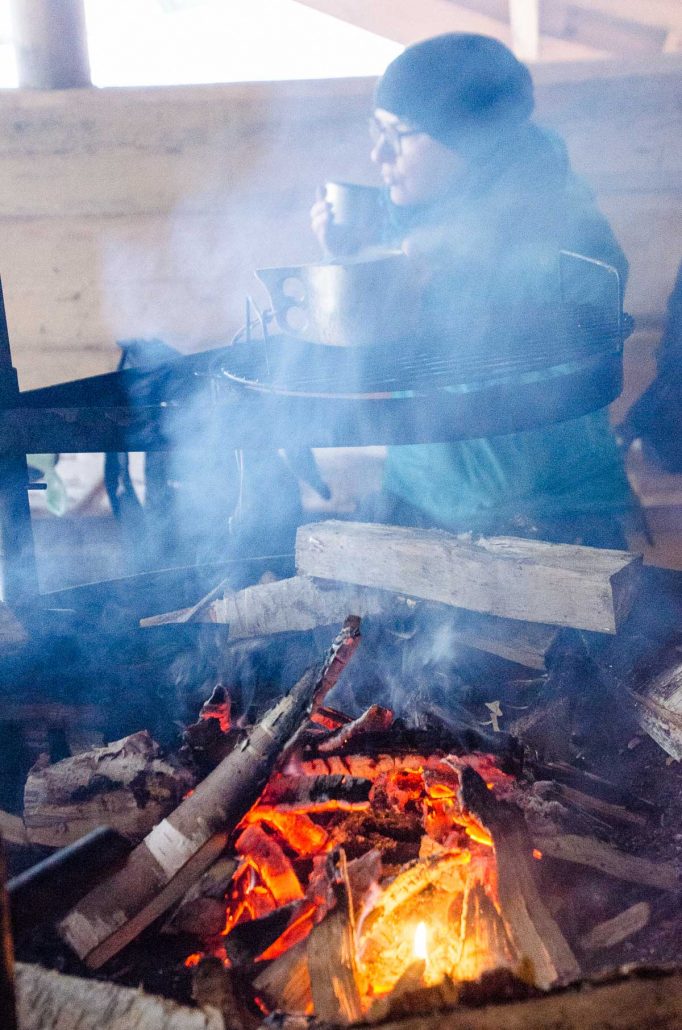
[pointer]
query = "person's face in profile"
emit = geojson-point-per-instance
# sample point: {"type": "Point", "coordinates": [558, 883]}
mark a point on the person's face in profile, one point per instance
{"type": "Point", "coordinates": [416, 168]}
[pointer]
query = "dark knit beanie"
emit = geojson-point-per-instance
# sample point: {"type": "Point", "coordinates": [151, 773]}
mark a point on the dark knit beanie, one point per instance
{"type": "Point", "coordinates": [456, 86]}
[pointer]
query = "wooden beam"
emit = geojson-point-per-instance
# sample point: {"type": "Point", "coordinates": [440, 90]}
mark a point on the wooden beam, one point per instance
{"type": "Point", "coordinates": [524, 18]}
{"type": "Point", "coordinates": [601, 25]}
{"type": "Point", "coordinates": [556, 584]}
{"type": "Point", "coordinates": [407, 22]}
{"type": "Point", "coordinates": [51, 43]}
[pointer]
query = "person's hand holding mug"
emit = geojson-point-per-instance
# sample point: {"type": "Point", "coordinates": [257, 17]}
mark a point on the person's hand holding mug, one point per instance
{"type": "Point", "coordinates": [346, 217]}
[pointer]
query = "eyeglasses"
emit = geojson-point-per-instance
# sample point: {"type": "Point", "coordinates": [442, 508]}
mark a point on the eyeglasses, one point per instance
{"type": "Point", "coordinates": [389, 134]}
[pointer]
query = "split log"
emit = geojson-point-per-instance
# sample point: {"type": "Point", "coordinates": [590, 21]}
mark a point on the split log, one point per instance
{"type": "Point", "coordinates": [183, 846]}
{"type": "Point", "coordinates": [301, 603]}
{"type": "Point", "coordinates": [331, 953]}
{"type": "Point", "coordinates": [530, 927]}
{"type": "Point", "coordinates": [559, 584]}
{"type": "Point", "coordinates": [47, 1000]}
{"type": "Point", "coordinates": [658, 709]}
{"type": "Point", "coordinates": [589, 851]}
{"type": "Point", "coordinates": [285, 983]}
{"type": "Point", "coordinates": [127, 785]}
{"type": "Point", "coordinates": [202, 910]}
{"type": "Point", "coordinates": [613, 931]}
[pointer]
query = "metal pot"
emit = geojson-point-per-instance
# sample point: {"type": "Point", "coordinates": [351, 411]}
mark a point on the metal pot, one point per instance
{"type": "Point", "coordinates": [356, 304]}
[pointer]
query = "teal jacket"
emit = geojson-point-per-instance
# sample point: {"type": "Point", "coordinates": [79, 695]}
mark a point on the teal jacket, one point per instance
{"type": "Point", "coordinates": [497, 243]}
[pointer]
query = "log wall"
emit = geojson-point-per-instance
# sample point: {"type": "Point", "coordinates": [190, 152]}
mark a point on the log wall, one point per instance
{"type": "Point", "coordinates": [144, 212]}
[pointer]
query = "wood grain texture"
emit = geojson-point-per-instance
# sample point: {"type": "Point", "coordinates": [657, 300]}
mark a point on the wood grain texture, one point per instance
{"type": "Point", "coordinates": [558, 584]}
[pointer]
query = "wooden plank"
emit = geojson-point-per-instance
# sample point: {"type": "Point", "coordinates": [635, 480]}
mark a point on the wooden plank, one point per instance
{"type": "Point", "coordinates": [556, 584]}
{"type": "Point", "coordinates": [589, 851]}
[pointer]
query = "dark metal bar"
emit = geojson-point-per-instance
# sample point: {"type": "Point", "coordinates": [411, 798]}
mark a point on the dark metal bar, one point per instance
{"type": "Point", "coordinates": [18, 572]}
{"type": "Point", "coordinates": [8, 1012]}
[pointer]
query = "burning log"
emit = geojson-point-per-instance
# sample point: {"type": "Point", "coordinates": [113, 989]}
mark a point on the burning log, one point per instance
{"type": "Point", "coordinates": [214, 987]}
{"type": "Point", "coordinates": [530, 927]}
{"type": "Point", "coordinates": [180, 848]}
{"type": "Point", "coordinates": [331, 953]}
{"type": "Point", "coordinates": [375, 720]}
{"type": "Point", "coordinates": [316, 790]}
{"type": "Point", "coordinates": [126, 785]}
{"type": "Point", "coordinates": [559, 584]}
{"type": "Point", "coordinates": [596, 854]}
{"type": "Point", "coordinates": [47, 1000]}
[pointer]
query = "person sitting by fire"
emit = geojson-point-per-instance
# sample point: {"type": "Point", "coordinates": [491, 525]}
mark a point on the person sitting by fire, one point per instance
{"type": "Point", "coordinates": [484, 199]}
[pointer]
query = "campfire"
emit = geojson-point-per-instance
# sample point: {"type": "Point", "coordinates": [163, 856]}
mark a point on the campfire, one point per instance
{"type": "Point", "coordinates": [313, 861]}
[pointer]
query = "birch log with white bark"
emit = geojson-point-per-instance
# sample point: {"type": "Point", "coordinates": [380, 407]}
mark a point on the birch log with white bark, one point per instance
{"type": "Point", "coordinates": [47, 1000]}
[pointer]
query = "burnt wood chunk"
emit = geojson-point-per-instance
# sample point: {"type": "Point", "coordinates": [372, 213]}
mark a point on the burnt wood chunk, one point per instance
{"type": "Point", "coordinates": [531, 929]}
{"type": "Point", "coordinates": [183, 846]}
{"type": "Point", "coordinates": [557, 584]}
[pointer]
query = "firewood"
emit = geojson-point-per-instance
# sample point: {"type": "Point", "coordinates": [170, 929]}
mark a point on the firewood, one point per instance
{"type": "Point", "coordinates": [183, 846]}
{"type": "Point", "coordinates": [589, 851]}
{"type": "Point", "coordinates": [658, 709]}
{"type": "Point", "coordinates": [12, 829]}
{"type": "Point", "coordinates": [301, 603]}
{"type": "Point", "coordinates": [47, 1000]}
{"type": "Point", "coordinates": [650, 999]}
{"type": "Point", "coordinates": [375, 719]}
{"type": "Point", "coordinates": [202, 910]}
{"type": "Point", "coordinates": [8, 1011]}
{"type": "Point", "coordinates": [311, 790]}
{"type": "Point", "coordinates": [285, 983]}
{"type": "Point", "coordinates": [529, 925]}
{"type": "Point", "coordinates": [214, 987]}
{"type": "Point", "coordinates": [613, 931]}
{"type": "Point", "coordinates": [331, 953]}
{"type": "Point", "coordinates": [556, 584]}
{"type": "Point", "coordinates": [127, 785]}
{"type": "Point", "coordinates": [604, 810]}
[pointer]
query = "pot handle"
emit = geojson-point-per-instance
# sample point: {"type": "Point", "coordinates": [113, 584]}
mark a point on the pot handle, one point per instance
{"type": "Point", "coordinates": [284, 303]}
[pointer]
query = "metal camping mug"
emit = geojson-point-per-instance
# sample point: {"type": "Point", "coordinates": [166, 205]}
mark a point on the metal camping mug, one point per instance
{"type": "Point", "coordinates": [355, 207]}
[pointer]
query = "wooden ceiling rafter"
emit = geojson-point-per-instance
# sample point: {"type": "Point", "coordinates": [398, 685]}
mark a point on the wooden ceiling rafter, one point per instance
{"type": "Point", "coordinates": [549, 30]}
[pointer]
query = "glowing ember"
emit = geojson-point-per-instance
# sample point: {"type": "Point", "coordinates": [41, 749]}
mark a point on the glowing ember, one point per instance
{"type": "Point", "coordinates": [420, 947]}
{"type": "Point", "coordinates": [422, 873]}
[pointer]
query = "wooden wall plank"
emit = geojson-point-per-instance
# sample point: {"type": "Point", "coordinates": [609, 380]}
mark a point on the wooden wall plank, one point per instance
{"type": "Point", "coordinates": [145, 212]}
